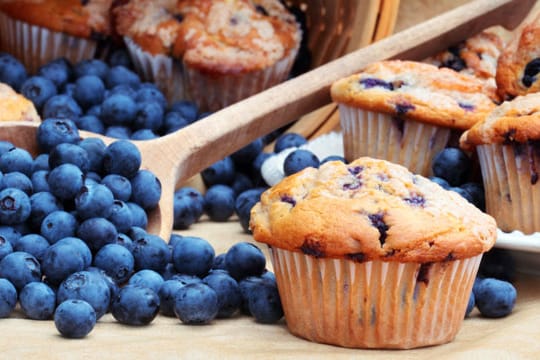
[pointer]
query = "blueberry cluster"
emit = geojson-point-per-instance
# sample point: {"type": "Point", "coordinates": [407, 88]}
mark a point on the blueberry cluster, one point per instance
{"type": "Point", "coordinates": [494, 298]}
{"type": "Point", "coordinates": [105, 97]}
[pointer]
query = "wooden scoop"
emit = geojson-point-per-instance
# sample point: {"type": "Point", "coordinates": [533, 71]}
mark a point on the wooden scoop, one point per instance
{"type": "Point", "coordinates": [178, 156]}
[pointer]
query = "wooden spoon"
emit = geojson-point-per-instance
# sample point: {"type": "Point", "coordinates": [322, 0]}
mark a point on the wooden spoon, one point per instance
{"type": "Point", "coordinates": [180, 155]}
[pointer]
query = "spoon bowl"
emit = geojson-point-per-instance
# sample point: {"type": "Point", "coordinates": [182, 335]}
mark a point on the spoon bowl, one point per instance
{"type": "Point", "coordinates": [178, 156]}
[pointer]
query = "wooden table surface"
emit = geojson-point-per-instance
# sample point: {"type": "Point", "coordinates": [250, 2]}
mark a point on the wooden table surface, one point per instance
{"type": "Point", "coordinates": [514, 337]}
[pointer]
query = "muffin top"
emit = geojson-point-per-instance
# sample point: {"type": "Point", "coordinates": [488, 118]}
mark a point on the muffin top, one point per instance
{"type": "Point", "coordinates": [14, 106]}
{"type": "Point", "coordinates": [517, 120]}
{"type": "Point", "coordinates": [87, 19]}
{"type": "Point", "coordinates": [519, 63]}
{"type": "Point", "coordinates": [417, 91]}
{"type": "Point", "coordinates": [215, 36]}
{"type": "Point", "coordinates": [370, 209]}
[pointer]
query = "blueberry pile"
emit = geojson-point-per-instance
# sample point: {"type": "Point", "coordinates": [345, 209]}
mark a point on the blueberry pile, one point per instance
{"type": "Point", "coordinates": [73, 244]}
{"type": "Point", "coordinates": [105, 97]}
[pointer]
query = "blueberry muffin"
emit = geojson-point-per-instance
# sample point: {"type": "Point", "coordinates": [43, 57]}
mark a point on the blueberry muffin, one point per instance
{"type": "Point", "coordinates": [519, 64]}
{"type": "Point", "coordinates": [477, 55]}
{"type": "Point", "coordinates": [14, 106]}
{"type": "Point", "coordinates": [369, 255]}
{"type": "Point", "coordinates": [38, 31]}
{"type": "Point", "coordinates": [215, 52]}
{"type": "Point", "coordinates": [406, 111]}
{"type": "Point", "coordinates": [508, 147]}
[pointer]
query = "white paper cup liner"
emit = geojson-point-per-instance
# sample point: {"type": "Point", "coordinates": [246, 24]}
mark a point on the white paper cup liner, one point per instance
{"type": "Point", "coordinates": [511, 176]}
{"type": "Point", "coordinates": [34, 45]}
{"type": "Point", "coordinates": [409, 143]}
{"type": "Point", "coordinates": [159, 69]}
{"type": "Point", "coordinates": [373, 304]}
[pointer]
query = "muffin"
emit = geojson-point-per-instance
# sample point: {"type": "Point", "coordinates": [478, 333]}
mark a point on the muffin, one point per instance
{"type": "Point", "coordinates": [37, 32]}
{"type": "Point", "coordinates": [369, 255]}
{"type": "Point", "coordinates": [14, 106]}
{"type": "Point", "coordinates": [406, 111]}
{"type": "Point", "coordinates": [508, 147]}
{"type": "Point", "coordinates": [477, 55]}
{"type": "Point", "coordinates": [214, 52]}
{"type": "Point", "coordinates": [519, 63]}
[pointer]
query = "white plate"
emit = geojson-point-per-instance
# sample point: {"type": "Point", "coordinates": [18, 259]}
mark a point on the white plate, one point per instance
{"type": "Point", "coordinates": [516, 240]}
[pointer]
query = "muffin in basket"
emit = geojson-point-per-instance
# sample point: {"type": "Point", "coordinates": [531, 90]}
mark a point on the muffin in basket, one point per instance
{"type": "Point", "coordinates": [508, 146]}
{"type": "Point", "coordinates": [369, 255]}
{"type": "Point", "coordinates": [37, 32]}
{"type": "Point", "coordinates": [519, 63]}
{"type": "Point", "coordinates": [14, 106]}
{"type": "Point", "coordinates": [406, 111]}
{"type": "Point", "coordinates": [215, 52]}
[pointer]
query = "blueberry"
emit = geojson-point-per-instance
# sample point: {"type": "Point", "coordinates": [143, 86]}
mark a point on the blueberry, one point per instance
{"type": "Point", "coordinates": [243, 204]}
{"type": "Point", "coordinates": [38, 89]}
{"type": "Point", "coordinates": [248, 153]}
{"type": "Point", "coordinates": [453, 165]}
{"type": "Point", "coordinates": [74, 318]}
{"type": "Point", "coordinates": [221, 172]}
{"type": "Point", "coordinates": [299, 160]}
{"type": "Point", "coordinates": [119, 185]}
{"type": "Point", "coordinates": [227, 290]}
{"type": "Point", "coordinates": [241, 183]}
{"type": "Point", "coordinates": [42, 204]}
{"type": "Point", "coordinates": [90, 123]}
{"type": "Point", "coordinates": [5, 146]}
{"type": "Point", "coordinates": [167, 293]}
{"type": "Point", "coordinates": [14, 206]}
{"type": "Point", "coordinates": [33, 244]}
{"type": "Point", "coordinates": [440, 181]}
{"type": "Point", "coordinates": [61, 106]}
{"type": "Point", "coordinates": [196, 304]}
{"type": "Point", "coordinates": [5, 247]}
{"type": "Point", "coordinates": [8, 298]}
{"type": "Point", "coordinates": [89, 91]}
{"type": "Point", "coordinates": [94, 67]}
{"type": "Point", "coordinates": [52, 132]}
{"type": "Point", "coordinates": [264, 302]}
{"type": "Point", "coordinates": [41, 162]}
{"type": "Point", "coordinates": [143, 134]}
{"type": "Point", "coordinates": [79, 247]}
{"type": "Point", "coordinates": [118, 109]}
{"type": "Point", "coordinates": [146, 189]}
{"type": "Point", "coordinates": [114, 289]}
{"type": "Point", "coordinates": [87, 286]}
{"type": "Point", "coordinates": [97, 232]}
{"type": "Point", "coordinates": [219, 202]}
{"type": "Point", "coordinates": [151, 252]}
{"type": "Point", "coordinates": [19, 181]}
{"type": "Point", "coordinates": [120, 216]}
{"type": "Point", "coordinates": [59, 71]}
{"type": "Point", "coordinates": [244, 259]}
{"type": "Point", "coordinates": [188, 207]}
{"type": "Point", "coordinates": [125, 241]}
{"type": "Point", "coordinates": [476, 192]}
{"type": "Point", "coordinates": [61, 260]}
{"type": "Point", "coordinates": [186, 279]}
{"type": "Point", "coordinates": [219, 262]}
{"type": "Point", "coordinates": [173, 121]}
{"type": "Point", "coordinates": [464, 193]}
{"type": "Point", "coordinates": [38, 301]}
{"type": "Point", "coordinates": [95, 148]}
{"type": "Point", "coordinates": [94, 111]}
{"type": "Point", "coordinates": [187, 109]}
{"type": "Point", "coordinates": [122, 157]}
{"type": "Point", "coordinates": [121, 75]}
{"type": "Point", "coordinates": [12, 71]}
{"type": "Point", "coordinates": [119, 56]}
{"type": "Point", "coordinates": [135, 305]}
{"type": "Point", "coordinates": [116, 261]}
{"type": "Point", "coordinates": [151, 94]}
{"type": "Point", "coordinates": [139, 218]}
{"type": "Point", "coordinates": [168, 272]}
{"type": "Point", "coordinates": [495, 298]}
{"type": "Point", "coordinates": [193, 256]}
{"type": "Point", "coordinates": [470, 304]}
{"type": "Point", "coordinates": [289, 140]}
{"type": "Point", "coordinates": [118, 132]}
{"type": "Point", "coordinates": [94, 201]}
{"type": "Point", "coordinates": [69, 154]}
{"type": "Point", "coordinates": [58, 225]}
{"type": "Point", "coordinates": [147, 278]}
{"type": "Point", "coordinates": [148, 115]}
{"type": "Point", "coordinates": [16, 159]}
{"type": "Point", "coordinates": [20, 268]}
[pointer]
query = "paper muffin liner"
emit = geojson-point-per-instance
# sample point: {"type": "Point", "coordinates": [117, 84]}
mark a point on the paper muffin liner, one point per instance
{"type": "Point", "coordinates": [412, 144]}
{"type": "Point", "coordinates": [210, 92]}
{"type": "Point", "coordinates": [373, 304]}
{"type": "Point", "coordinates": [35, 45]}
{"type": "Point", "coordinates": [512, 185]}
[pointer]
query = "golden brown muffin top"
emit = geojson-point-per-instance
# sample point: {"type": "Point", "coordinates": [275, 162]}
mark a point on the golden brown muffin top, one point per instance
{"type": "Point", "coordinates": [87, 19]}
{"type": "Point", "coordinates": [215, 36]}
{"type": "Point", "coordinates": [417, 91]}
{"type": "Point", "coordinates": [370, 209]}
{"type": "Point", "coordinates": [519, 63]}
{"type": "Point", "coordinates": [517, 120]}
{"type": "Point", "coordinates": [14, 106]}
